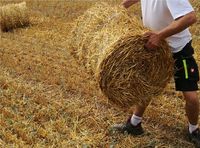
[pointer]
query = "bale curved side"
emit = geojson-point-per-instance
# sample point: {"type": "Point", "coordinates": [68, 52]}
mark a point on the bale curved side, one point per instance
{"type": "Point", "coordinates": [98, 28]}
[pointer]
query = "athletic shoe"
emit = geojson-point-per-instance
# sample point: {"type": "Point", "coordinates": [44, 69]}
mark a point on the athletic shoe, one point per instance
{"type": "Point", "coordinates": [194, 137]}
{"type": "Point", "coordinates": [129, 128]}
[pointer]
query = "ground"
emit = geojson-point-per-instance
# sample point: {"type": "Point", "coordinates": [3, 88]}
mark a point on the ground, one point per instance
{"type": "Point", "coordinates": [48, 100]}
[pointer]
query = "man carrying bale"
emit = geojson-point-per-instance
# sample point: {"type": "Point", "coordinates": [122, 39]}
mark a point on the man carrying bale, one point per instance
{"type": "Point", "coordinates": [169, 20]}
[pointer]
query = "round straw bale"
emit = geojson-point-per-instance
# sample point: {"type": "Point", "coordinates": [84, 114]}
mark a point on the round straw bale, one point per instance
{"type": "Point", "coordinates": [108, 42]}
{"type": "Point", "coordinates": [14, 16]}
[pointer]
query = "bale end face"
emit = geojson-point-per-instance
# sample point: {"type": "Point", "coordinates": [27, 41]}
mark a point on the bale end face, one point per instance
{"type": "Point", "coordinates": [132, 74]}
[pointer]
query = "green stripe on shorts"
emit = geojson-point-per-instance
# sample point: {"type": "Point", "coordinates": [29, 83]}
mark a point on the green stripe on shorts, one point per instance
{"type": "Point", "coordinates": [185, 69]}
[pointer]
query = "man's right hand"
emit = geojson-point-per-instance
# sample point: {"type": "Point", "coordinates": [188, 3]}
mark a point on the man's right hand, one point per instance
{"type": "Point", "coordinates": [128, 3]}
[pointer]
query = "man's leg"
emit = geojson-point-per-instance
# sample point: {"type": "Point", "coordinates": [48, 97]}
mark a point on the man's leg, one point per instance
{"type": "Point", "coordinates": [192, 111]}
{"type": "Point", "coordinates": [137, 115]}
{"type": "Point", "coordinates": [133, 125]}
{"type": "Point", "coordinates": [139, 110]}
{"type": "Point", "coordinates": [192, 106]}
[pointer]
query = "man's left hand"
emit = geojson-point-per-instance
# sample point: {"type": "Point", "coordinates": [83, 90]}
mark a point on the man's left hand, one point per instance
{"type": "Point", "coordinates": [154, 40]}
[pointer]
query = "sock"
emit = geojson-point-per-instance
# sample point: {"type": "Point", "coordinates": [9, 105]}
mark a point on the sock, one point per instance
{"type": "Point", "coordinates": [192, 128]}
{"type": "Point", "coordinates": [135, 120]}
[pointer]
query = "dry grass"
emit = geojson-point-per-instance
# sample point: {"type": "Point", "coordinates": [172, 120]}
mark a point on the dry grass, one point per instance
{"type": "Point", "coordinates": [47, 100]}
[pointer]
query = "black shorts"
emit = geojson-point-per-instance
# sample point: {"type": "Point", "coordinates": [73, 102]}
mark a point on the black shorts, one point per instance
{"type": "Point", "coordinates": [186, 70]}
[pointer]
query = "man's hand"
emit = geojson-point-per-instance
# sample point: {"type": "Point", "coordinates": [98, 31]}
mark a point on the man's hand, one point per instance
{"type": "Point", "coordinates": [154, 40]}
{"type": "Point", "coordinates": [128, 3]}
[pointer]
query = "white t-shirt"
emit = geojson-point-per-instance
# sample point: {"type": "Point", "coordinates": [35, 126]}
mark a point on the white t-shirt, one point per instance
{"type": "Point", "coordinates": [158, 14]}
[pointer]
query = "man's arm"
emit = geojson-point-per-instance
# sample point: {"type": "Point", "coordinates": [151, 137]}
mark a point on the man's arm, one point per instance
{"type": "Point", "coordinates": [175, 27]}
{"type": "Point", "coordinates": [128, 3]}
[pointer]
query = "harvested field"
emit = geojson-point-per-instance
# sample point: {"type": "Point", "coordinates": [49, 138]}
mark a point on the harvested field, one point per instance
{"type": "Point", "coordinates": [48, 100]}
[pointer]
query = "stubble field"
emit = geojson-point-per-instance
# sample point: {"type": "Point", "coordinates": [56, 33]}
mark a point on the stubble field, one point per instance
{"type": "Point", "coordinates": [48, 100]}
